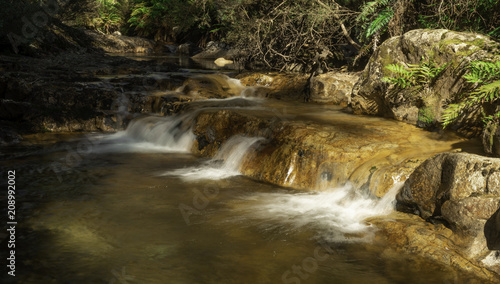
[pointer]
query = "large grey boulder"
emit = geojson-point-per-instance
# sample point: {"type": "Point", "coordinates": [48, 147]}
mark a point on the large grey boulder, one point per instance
{"type": "Point", "coordinates": [461, 191]}
{"type": "Point", "coordinates": [422, 106]}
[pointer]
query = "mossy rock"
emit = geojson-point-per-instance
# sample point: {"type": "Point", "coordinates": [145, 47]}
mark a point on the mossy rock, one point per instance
{"type": "Point", "coordinates": [373, 96]}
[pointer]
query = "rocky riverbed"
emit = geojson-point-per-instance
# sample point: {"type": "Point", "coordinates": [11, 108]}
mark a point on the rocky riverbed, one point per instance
{"type": "Point", "coordinates": [455, 196]}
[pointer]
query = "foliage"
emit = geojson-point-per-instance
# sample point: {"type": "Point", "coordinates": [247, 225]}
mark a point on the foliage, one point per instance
{"type": "Point", "coordinates": [374, 17]}
{"type": "Point", "coordinates": [289, 34]}
{"type": "Point", "coordinates": [109, 19]}
{"type": "Point", "coordinates": [379, 19]}
{"type": "Point", "coordinates": [105, 16]}
{"type": "Point", "coordinates": [423, 74]}
{"type": "Point", "coordinates": [484, 77]}
{"type": "Point", "coordinates": [167, 19]}
{"type": "Point", "coordinates": [463, 15]}
{"type": "Point", "coordinates": [382, 18]}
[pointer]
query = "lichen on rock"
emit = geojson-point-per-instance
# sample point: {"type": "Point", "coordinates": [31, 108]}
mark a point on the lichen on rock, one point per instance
{"type": "Point", "coordinates": [373, 96]}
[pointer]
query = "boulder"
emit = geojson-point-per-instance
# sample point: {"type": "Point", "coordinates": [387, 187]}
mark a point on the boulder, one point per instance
{"type": "Point", "coordinates": [333, 88]}
{"type": "Point", "coordinates": [461, 191]}
{"type": "Point", "coordinates": [422, 106]}
{"type": "Point", "coordinates": [215, 50]}
{"type": "Point", "coordinates": [117, 43]}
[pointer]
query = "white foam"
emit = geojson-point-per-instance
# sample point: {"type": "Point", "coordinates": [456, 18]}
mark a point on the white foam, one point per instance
{"type": "Point", "coordinates": [226, 163]}
{"type": "Point", "coordinates": [338, 214]}
{"type": "Point", "coordinates": [152, 134]}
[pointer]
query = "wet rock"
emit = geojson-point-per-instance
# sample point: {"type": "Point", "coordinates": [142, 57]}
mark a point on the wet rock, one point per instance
{"type": "Point", "coordinates": [211, 86]}
{"type": "Point", "coordinates": [422, 106]}
{"type": "Point", "coordinates": [311, 156]}
{"type": "Point", "coordinates": [333, 88]}
{"type": "Point", "coordinates": [187, 49]}
{"type": "Point", "coordinates": [274, 85]}
{"type": "Point", "coordinates": [69, 93]}
{"type": "Point", "coordinates": [408, 234]}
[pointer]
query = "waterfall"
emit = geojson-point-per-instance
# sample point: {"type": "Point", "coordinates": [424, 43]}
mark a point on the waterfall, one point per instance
{"type": "Point", "coordinates": [226, 163]}
{"type": "Point", "coordinates": [153, 134]}
{"type": "Point", "coordinates": [337, 214]}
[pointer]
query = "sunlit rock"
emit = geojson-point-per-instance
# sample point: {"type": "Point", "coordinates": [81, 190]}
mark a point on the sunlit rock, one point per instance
{"type": "Point", "coordinates": [462, 191]}
{"type": "Point", "coordinates": [276, 85]}
{"type": "Point", "coordinates": [333, 88]}
{"type": "Point", "coordinates": [422, 106]}
{"type": "Point", "coordinates": [221, 61]}
{"type": "Point", "coordinates": [314, 155]}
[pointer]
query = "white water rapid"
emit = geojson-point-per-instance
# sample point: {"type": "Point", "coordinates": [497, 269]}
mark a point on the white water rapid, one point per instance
{"type": "Point", "coordinates": [226, 163]}
{"type": "Point", "coordinates": [152, 134]}
{"type": "Point", "coordinates": [337, 214]}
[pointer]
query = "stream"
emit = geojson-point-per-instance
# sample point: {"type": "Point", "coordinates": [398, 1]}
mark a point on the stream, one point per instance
{"type": "Point", "coordinates": [137, 206]}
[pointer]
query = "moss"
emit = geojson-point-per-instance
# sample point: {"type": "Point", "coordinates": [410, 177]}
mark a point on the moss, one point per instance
{"type": "Point", "coordinates": [426, 117]}
{"type": "Point", "coordinates": [493, 130]}
{"type": "Point", "coordinates": [477, 44]}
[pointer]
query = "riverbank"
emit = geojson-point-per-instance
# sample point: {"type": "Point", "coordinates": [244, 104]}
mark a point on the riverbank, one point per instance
{"type": "Point", "coordinates": [74, 92]}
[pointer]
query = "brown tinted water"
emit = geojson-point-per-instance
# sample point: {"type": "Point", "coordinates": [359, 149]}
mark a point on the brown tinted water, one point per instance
{"type": "Point", "coordinates": [124, 208]}
{"type": "Point", "coordinates": [112, 216]}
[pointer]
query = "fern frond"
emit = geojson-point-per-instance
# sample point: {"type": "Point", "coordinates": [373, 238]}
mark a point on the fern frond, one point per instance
{"type": "Point", "coordinates": [380, 22]}
{"type": "Point", "coordinates": [451, 113]}
{"type": "Point", "coordinates": [398, 69]}
{"type": "Point", "coordinates": [482, 71]}
{"type": "Point", "coordinates": [487, 93]}
{"type": "Point", "coordinates": [367, 9]}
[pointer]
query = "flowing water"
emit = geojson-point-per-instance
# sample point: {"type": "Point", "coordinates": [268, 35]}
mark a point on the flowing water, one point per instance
{"type": "Point", "coordinates": [137, 207]}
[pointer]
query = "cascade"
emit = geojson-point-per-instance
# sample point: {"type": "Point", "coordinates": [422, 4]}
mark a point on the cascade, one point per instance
{"type": "Point", "coordinates": [226, 163]}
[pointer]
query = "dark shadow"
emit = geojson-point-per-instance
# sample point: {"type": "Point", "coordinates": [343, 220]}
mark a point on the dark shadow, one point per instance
{"type": "Point", "coordinates": [492, 231]}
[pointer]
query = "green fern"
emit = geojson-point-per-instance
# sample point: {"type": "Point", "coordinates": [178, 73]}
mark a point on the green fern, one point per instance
{"type": "Point", "coordinates": [423, 74]}
{"type": "Point", "coordinates": [404, 78]}
{"type": "Point", "coordinates": [481, 71]}
{"type": "Point", "coordinates": [451, 114]}
{"type": "Point", "coordinates": [485, 77]}
{"type": "Point", "coordinates": [369, 8]}
{"type": "Point", "coordinates": [488, 93]}
{"type": "Point", "coordinates": [374, 17]}
{"type": "Point", "coordinates": [380, 23]}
